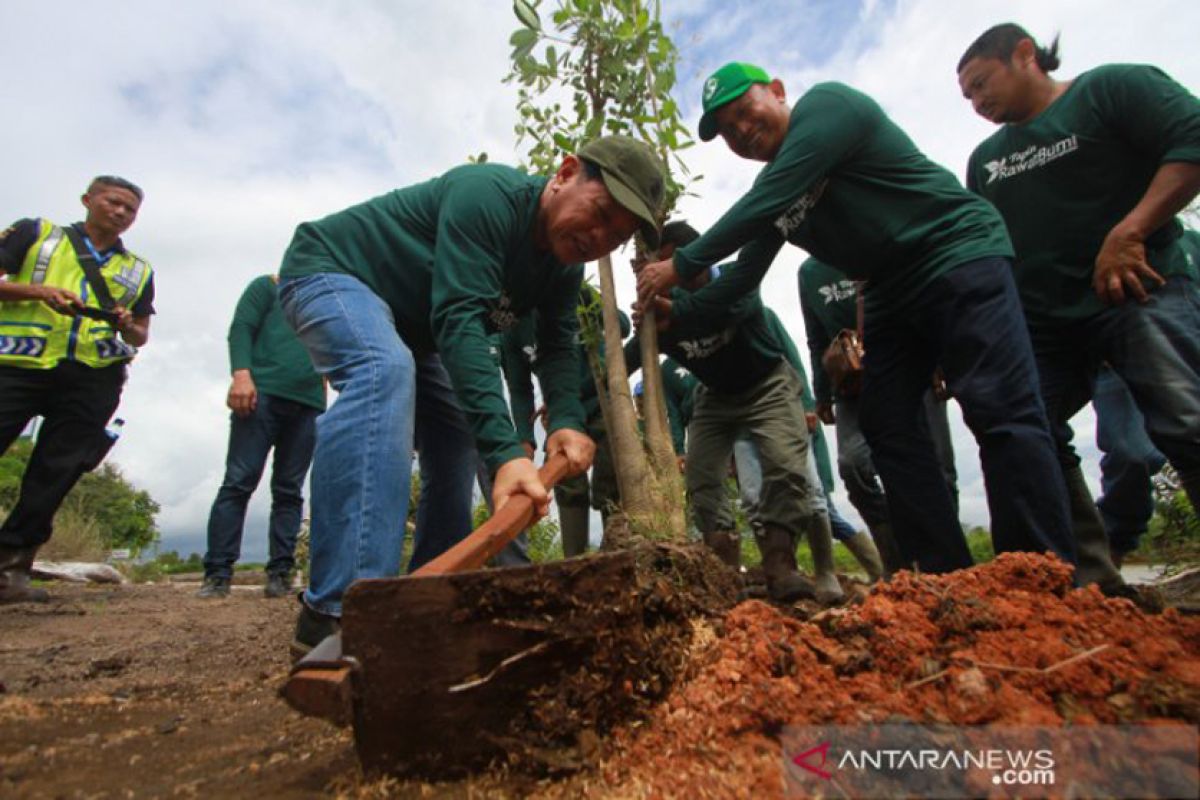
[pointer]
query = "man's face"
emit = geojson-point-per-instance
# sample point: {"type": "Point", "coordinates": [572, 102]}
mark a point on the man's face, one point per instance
{"type": "Point", "coordinates": [755, 124]}
{"type": "Point", "coordinates": [582, 220]}
{"type": "Point", "coordinates": [997, 90]}
{"type": "Point", "coordinates": [110, 208]}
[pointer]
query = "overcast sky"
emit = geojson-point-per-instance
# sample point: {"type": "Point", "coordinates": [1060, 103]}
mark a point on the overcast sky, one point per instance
{"type": "Point", "coordinates": [243, 119]}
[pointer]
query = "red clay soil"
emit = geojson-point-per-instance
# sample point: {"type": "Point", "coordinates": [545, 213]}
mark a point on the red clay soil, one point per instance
{"type": "Point", "coordinates": [1009, 642]}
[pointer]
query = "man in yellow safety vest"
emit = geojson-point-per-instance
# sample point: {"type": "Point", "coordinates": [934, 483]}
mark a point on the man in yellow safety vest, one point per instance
{"type": "Point", "coordinates": [74, 307]}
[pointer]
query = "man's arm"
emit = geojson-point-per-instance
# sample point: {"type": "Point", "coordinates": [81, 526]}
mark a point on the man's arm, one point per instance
{"type": "Point", "coordinates": [729, 299]}
{"type": "Point", "coordinates": [558, 369]}
{"type": "Point", "coordinates": [1121, 265]}
{"type": "Point", "coordinates": [518, 376]}
{"type": "Point", "coordinates": [248, 315]}
{"type": "Point", "coordinates": [1159, 117]}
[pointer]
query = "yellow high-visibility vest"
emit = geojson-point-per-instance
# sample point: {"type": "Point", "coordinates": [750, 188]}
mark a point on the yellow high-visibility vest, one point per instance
{"type": "Point", "coordinates": [34, 336]}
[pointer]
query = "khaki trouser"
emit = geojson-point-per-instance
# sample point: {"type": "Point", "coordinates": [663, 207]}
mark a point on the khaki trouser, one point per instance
{"type": "Point", "coordinates": [770, 413]}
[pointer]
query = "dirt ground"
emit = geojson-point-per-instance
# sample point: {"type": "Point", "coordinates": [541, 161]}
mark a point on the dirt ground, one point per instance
{"type": "Point", "coordinates": [147, 691]}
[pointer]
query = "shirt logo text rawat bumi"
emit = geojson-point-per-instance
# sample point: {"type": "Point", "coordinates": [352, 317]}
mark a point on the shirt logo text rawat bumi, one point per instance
{"type": "Point", "coordinates": [707, 345]}
{"type": "Point", "coordinates": [1031, 157]}
{"type": "Point", "coordinates": [797, 212]}
{"type": "Point", "coordinates": [836, 292]}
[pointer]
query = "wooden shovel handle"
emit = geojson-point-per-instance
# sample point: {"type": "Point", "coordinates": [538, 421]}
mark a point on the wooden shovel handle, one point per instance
{"type": "Point", "coordinates": [490, 538]}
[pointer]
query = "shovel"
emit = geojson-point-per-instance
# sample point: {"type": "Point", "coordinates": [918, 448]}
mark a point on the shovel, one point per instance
{"type": "Point", "coordinates": [435, 669]}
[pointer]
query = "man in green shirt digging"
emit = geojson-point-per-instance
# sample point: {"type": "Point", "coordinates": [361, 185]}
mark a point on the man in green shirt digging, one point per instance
{"type": "Point", "coordinates": [396, 300]}
{"type": "Point", "coordinates": [275, 398]}
{"type": "Point", "coordinates": [846, 184]}
{"type": "Point", "coordinates": [1089, 175]}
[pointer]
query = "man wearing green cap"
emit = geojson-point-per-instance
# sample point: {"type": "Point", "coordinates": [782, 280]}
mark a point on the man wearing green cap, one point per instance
{"type": "Point", "coordinates": [846, 184]}
{"type": "Point", "coordinates": [396, 300]}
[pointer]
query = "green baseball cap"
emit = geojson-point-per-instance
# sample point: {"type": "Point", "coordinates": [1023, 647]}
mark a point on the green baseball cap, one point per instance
{"type": "Point", "coordinates": [726, 85]}
{"type": "Point", "coordinates": [634, 177]}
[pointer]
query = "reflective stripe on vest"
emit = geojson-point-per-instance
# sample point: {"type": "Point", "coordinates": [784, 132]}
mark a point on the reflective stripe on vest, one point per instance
{"type": "Point", "coordinates": [130, 279]}
{"type": "Point", "coordinates": [44, 254]}
{"type": "Point", "coordinates": [32, 346]}
{"type": "Point", "coordinates": [113, 348]}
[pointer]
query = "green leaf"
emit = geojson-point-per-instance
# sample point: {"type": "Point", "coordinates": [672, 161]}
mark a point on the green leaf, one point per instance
{"type": "Point", "coordinates": [527, 15]}
{"type": "Point", "coordinates": [523, 41]}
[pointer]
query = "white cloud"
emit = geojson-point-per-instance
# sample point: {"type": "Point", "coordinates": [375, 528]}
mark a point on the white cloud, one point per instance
{"type": "Point", "coordinates": [243, 119]}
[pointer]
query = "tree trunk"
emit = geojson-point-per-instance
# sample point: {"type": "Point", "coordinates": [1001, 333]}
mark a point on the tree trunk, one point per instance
{"type": "Point", "coordinates": [668, 481]}
{"type": "Point", "coordinates": [629, 459]}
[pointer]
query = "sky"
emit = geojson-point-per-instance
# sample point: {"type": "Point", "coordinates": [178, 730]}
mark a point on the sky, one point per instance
{"type": "Point", "coordinates": [243, 119]}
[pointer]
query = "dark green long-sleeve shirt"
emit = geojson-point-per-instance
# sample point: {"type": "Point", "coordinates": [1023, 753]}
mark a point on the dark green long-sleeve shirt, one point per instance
{"type": "Point", "coordinates": [261, 341]}
{"type": "Point", "coordinates": [455, 260]}
{"type": "Point", "coordinates": [852, 189]}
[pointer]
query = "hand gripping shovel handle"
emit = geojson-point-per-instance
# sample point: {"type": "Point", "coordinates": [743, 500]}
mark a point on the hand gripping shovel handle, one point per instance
{"type": "Point", "coordinates": [491, 537]}
{"type": "Point", "coordinates": [320, 683]}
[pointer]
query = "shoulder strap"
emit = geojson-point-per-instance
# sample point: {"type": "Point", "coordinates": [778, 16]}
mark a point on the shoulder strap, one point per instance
{"type": "Point", "coordinates": [90, 268]}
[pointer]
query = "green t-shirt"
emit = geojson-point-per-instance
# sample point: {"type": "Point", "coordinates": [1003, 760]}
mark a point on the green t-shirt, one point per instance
{"type": "Point", "coordinates": [261, 341]}
{"type": "Point", "coordinates": [1065, 178]}
{"type": "Point", "coordinates": [852, 189]}
{"type": "Point", "coordinates": [454, 259]}
{"type": "Point", "coordinates": [829, 302]}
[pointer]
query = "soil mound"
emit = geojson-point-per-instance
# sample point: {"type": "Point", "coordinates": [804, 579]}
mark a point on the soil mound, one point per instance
{"type": "Point", "coordinates": [1010, 642]}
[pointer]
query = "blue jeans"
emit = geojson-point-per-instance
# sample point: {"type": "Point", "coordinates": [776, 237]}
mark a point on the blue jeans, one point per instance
{"type": "Point", "coordinates": [290, 428]}
{"type": "Point", "coordinates": [363, 459]}
{"type": "Point", "coordinates": [1154, 347]}
{"type": "Point", "coordinates": [1128, 463]}
{"type": "Point", "coordinates": [447, 458]}
{"type": "Point", "coordinates": [969, 321]}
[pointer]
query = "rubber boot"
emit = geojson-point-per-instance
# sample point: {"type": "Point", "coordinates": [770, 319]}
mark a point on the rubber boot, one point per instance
{"type": "Point", "coordinates": [574, 522]}
{"type": "Point", "coordinates": [785, 584]}
{"type": "Point", "coordinates": [862, 547]}
{"type": "Point", "coordinates": [889, 549]}
{"type": "Point", "coordinates": [1093, 558]}
{"type": "Point", "coordinates": [16, 564]}
{"type": "Point", "coordinates": [727, 545]}
{"type": "Point", "coordinates": [820, 542]}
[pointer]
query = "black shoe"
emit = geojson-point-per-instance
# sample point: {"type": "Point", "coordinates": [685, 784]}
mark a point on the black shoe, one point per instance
{"type": "Point", "coordinates": [16, 568]}
{"type": "Point", "coordinates": [279, 584]}
{"type": "Point", "coordinates": [214, 587]}
{"type": "Point", "coordinates": [311, 628]}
